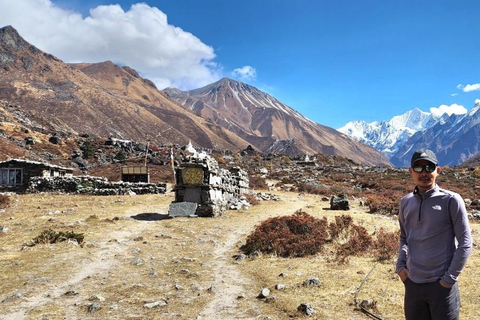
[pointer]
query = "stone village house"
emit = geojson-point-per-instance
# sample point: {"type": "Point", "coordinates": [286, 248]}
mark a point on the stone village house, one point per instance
{"type": "Point", "coordinates": [16, 173]}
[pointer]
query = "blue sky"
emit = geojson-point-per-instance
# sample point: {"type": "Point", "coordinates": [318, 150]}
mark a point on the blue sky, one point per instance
{"type": "Point", "coordinates": [333, 61]}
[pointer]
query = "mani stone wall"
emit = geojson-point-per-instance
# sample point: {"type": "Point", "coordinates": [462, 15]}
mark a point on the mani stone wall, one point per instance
{"type": "Point", "coordinates": [93, 185]}
{"type": "Point", "coordinates": [206, 190]}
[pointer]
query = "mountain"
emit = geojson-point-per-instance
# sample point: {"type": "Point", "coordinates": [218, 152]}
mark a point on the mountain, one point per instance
{"type": "Point", "coordinates": [268, 124]}
{"type": "Point", "coordinates": [388, 137]}
{"type": "Point", "coordinates": [42, 93]}
{"type": "Point", "coordinates": [455, 138]}
{"type": "Point", "coordinates": [97, 99]}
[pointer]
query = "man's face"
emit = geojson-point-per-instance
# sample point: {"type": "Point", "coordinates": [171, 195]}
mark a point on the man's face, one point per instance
{"type": "Point", "coordinates": [424, 180]}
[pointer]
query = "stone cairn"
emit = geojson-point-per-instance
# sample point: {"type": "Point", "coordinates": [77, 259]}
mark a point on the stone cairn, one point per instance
{"type": "Point", "coordinates": [93, 185]}
{"type": "Point", "coordinates": [206, 190]}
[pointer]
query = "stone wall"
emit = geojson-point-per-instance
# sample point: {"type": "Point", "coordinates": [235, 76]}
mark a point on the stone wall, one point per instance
{"type": "Point", "coordinates": [213, 191]}
{"type": "Point", "coordinates": [93, 185]}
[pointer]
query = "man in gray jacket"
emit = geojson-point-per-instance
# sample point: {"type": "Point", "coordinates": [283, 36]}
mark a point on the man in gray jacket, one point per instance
{"type": "Point", "coordinates": [435, 242]}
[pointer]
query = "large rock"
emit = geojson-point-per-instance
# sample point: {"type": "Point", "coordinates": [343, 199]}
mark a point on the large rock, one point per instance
{"type": "Point", "coordinates": [340, 202]}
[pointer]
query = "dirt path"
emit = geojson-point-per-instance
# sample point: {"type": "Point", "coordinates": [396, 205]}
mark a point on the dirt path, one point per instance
{"type": "Point", "coordinates": [230, 284]}
{"type": "Point", "coordinates": [99, 265]}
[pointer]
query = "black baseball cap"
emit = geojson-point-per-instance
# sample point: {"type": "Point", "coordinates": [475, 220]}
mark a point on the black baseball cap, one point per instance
{"type": "Point", "coordinates": [424, 154]}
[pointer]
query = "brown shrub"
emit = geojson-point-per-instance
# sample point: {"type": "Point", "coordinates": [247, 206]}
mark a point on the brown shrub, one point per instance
{"type": "Point", "coordinates": [257, 182]}
{"type": "Point", "coordinates": [341, 225]}
{"type": "Point", "coordinates": [252, 199]}
{"type": "Point", "coordinates": [289, 236]}
{"type": "Point", "coordinates": [358, 243]}
{"type": "Point", "coordinates": [313, 189]}
{"type": "Point", "coordinates": [387, 205]}
{"type": "Point", "coordinates": [386, 245]}
{"type": "Point", "coordinates": [4, 201]}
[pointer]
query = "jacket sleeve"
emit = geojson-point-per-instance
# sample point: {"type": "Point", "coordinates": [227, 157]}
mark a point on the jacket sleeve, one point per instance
{"type": "Point", "coordinates": [458, 214]}
{"type": "Point", "coordinates": [403, 250]}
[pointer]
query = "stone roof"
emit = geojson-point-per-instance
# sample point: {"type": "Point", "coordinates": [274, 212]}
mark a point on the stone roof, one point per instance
{"type": "Point", "coordinates": [49, 165]}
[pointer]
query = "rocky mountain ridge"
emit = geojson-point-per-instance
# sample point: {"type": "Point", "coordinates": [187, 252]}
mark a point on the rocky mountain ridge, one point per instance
{"type": "Point", "coordinates": [106, 100]}
{"type": "Point", "coordinates": [267, 123]}
{"type": "Point", "coordinates": [455, 137]}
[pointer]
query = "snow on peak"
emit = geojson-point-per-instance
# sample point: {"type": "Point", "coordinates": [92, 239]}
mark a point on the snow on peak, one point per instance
{"type": "Point", "coordinates": [388, 137]}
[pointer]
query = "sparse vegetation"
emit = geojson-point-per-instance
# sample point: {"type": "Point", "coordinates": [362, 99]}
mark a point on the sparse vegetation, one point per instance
{"type": "Point", "coordinates": [301, 234]}
{"type": "Point", "coordinates": [289, 236]}
{"type": "Point", "coordinates": [4, 201]}
{"type": "Point", "coordinates": [51, 236]}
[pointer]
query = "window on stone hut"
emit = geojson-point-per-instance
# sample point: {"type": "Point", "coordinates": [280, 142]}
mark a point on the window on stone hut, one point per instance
{"type": "Point", "coordinates": [11, 177]}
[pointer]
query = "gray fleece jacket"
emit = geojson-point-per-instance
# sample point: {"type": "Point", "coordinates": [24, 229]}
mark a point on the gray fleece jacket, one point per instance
{"type": "Point", "coordinates": [435, 239]}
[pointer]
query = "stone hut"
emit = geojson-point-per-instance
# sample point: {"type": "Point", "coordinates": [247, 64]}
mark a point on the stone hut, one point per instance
{"type": "Point", "coordinates": [203, 189]}
{"type": "Point", "coordinates": [16, 173]}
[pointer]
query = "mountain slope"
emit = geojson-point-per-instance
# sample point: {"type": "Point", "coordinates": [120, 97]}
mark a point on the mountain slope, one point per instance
{"type": "Point", "coordinates": [455, 138]}
{"type": "Point", "coordinates": [267, 123]}
{"type": "Point", "coordinates": [101, 99]}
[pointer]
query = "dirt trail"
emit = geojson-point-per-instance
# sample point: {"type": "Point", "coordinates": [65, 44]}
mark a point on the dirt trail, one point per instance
{"type": "Point", "coordinates": [230, 284]}
{"type": "Point", "coordinates": [97, 265]}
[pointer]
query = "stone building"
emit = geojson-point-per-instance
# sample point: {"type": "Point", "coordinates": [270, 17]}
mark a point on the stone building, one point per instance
{"type": "Point", "coordinates": [203, 189]}
{"type": "Point", "coordinates": [16, 173]}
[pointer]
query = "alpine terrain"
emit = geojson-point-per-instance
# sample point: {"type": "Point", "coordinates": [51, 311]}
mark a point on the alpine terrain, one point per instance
{"type": "Point", "coordinates": [455, 137]}
{"type": "Point", "coordinates": [267, 123]}
{"type": "Point", "coordinates": [47, 95]}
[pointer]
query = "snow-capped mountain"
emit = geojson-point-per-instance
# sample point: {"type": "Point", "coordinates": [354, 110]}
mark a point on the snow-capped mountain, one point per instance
{"type": "Point", "coordinates": [388, 137]}
{"type": "Point", "coordinates": [454, 136]}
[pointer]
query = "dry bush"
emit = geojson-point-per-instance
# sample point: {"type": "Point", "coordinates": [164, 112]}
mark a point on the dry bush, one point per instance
{"type": "Point", "coordinates": [252, 199]}
{"type": "Point", "coordinates": [341, 224]}
{"type": "Point", "coordinates": [313, 189]}
{"type": "Point", "coordinates": [297, 235]}
{"type": "Point", "coordinates": [359, 243]}
{"type": "Point", "coordinates": [257, 182]}
{"type": "Point", "coordinates": [301, 234]}
{"type": "Point", "coordinates": [386, 245]}
{"type": "Point", "coordinates": [387, 205]}
{"type": "Point", "coordinates": [4, 201]}
{"type": "Point", "coordinates": [51, 236]}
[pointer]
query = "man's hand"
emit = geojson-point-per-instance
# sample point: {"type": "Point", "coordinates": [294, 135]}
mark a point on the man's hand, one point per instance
{"type": "Point", "coordinates": [403, 275]}
{"type": "Point", "coordinates": [444, 284]}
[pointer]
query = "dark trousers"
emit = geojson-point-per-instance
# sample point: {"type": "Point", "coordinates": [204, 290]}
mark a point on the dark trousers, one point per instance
{"type": "Point", "coordinates": [431, 301]}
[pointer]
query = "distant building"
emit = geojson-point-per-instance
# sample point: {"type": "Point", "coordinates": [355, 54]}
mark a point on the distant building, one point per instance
{"type": "Point", "coordinates": [16, 173]}
{"type": "Point", "coordinates": [135, 174]}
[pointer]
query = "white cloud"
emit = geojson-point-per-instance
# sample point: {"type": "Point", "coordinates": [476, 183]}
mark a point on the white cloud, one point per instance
{"type": "Point", "coordinates": [452, 109]}
{"type": "Point", "coordinates": [245, 73]}
{"type": "Point", "coordinates": [477, 101]}
{"type": "Point", "coordinates": [140, 38]}
{"type": "Point", "coordinates": [469, 87]}
{"type": "Point", "coordinates": [454, 94]}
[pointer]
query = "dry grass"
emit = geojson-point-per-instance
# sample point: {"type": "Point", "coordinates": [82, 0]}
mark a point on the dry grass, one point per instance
{"type": "Point", "coordinates": [186, 262]}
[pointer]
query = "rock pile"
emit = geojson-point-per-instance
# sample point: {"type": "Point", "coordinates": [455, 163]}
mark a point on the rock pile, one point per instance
{"type": "Point", "coordinates": [93, 185]}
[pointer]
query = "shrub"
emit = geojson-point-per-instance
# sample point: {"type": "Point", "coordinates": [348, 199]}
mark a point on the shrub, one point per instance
{"type": "Point", "coordinates": [289, 236]}
{"type": "Point", "coordinates": [386, 245]}
{"type": "Point", "coordinates": [301, 234]}
{"type": "Point", "coordinates": [476, 173]}
{"type": "Point", "coordinates": [382, 204]}
{"type": "Point", "coordinates": [341, 225]}
{"type": "Point", "coordinates": [252, 199]}
{"type": "Point", "coordinates": [4, 201]}
{"type": "Point", "coordinates": [120, 156]}
{"type": "Point", "coordinates": [359, 242]}
{"type": "Point", "coordinates": [50, 236]}
{"type": "Point", "coordinates": [88, 150]}
{"type": "Point", "coordinates": [257, 182]}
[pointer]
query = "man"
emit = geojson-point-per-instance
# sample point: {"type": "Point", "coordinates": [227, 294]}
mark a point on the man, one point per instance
{"type": "Point", "coordinates": [435, 242]}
